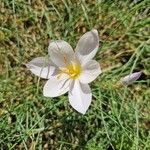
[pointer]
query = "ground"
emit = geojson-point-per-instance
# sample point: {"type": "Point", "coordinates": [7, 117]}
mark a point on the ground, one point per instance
{"type": "Point", "coordinates": [118, 118]}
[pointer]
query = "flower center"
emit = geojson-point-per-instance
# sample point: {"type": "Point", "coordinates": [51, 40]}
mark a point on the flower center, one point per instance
{"type": "Point", "coordinates": [73, 70]}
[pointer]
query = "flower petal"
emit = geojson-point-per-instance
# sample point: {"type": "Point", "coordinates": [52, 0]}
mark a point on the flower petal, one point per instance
{"type": "Point", "coordinates": [41, 66]}
{"type": "Point", "coordinates": [56, 86]}
{"type": "Point", "coordinates": [80, 96]}
{"type": "Point", "coordinates": [61, 53]}
{"type": "Point", "coordinates": [87, 46]}
{"type": "Point", "coordinates": [90, 71]}
{"type": "Point", "coordinates": [129, 79]}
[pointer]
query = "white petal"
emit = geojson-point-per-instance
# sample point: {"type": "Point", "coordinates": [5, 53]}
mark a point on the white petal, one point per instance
{"type": "Point", "coordinates": [41, 66]}
{"type": "Point", "coordinates": [129, 79]}
{"type": "Point", "coordinates": [80, 96]}
{"type": "Point", "coordinates": [56, 86]}
{"type": "Point", "coordinates": [87, 46]}
{"type": "Point", "coordinates": [61, 53]}
{"type": "Point", "coordinates": [90, 71]}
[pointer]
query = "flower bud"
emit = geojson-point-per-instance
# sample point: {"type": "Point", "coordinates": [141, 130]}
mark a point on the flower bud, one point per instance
{"type": "Point", "coordinates": [129, 79]}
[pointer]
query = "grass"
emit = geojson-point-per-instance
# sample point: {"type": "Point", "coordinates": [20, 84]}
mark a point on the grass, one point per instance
{"type": "Point", "coordinates": [118, 118]}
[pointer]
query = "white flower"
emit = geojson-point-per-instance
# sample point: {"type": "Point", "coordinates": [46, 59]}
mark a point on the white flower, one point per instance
{"type": "Point", "coordinates": [69, 71]}
{"type": "Point", "coordinates": [129, 79]}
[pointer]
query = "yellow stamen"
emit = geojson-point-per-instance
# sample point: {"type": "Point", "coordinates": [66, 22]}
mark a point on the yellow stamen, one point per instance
{"type": "Point", "coordinates": [73, 70]}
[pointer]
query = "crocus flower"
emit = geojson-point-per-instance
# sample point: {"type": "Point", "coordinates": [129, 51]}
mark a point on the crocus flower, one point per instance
{"type": "Point", "coordinates": [129, 79]}
{"type": "Point", "coordinates": [70, 71]}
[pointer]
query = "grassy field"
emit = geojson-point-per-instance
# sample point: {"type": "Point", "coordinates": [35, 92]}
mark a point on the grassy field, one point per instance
{"type": "Point", "coordinates": [118, 119]}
